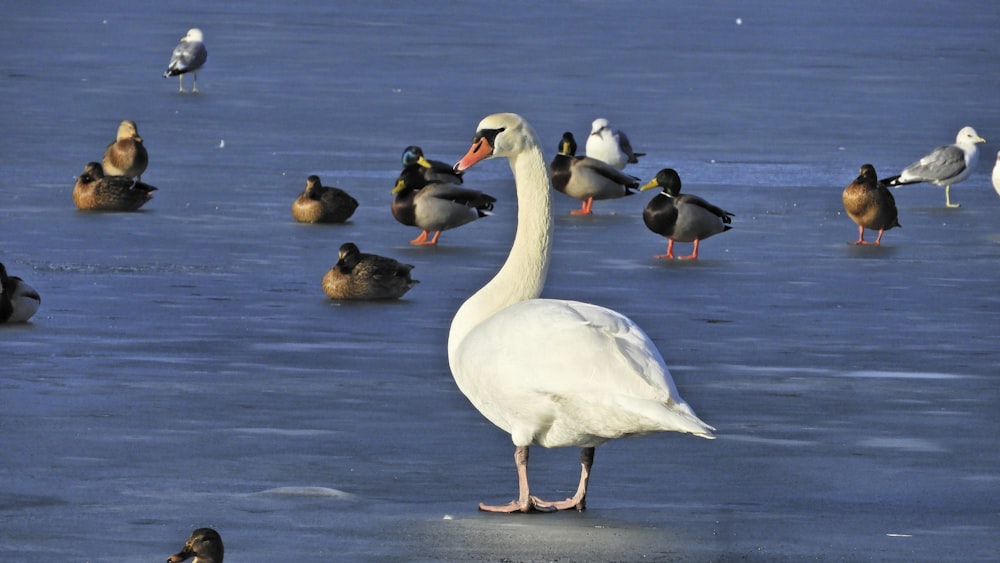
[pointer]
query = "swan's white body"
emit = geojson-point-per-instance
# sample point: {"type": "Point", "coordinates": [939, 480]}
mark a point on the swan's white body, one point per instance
{"type": "Point", "coordinates": [553, 372]}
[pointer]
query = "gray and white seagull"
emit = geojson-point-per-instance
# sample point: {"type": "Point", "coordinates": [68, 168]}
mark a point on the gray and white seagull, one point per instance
{"type": "Point", "coordinates": [944, 166]}
{"type": "Point", "coordinates": [189, 55]}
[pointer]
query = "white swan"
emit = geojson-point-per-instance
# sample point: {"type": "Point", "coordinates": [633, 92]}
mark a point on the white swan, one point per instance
{"type": "Point", "coordinates": [552, 372]}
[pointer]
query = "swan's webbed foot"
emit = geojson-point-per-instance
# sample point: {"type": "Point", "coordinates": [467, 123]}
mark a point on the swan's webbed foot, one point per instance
{"type": "Point", "coordinates": [533, 505]}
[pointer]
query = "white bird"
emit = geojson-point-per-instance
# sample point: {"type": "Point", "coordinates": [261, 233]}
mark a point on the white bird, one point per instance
{"type": "Point", "coordinates": [18, 300]}
{"type": "Point", "coordinates": [188, 56]}
{"type": "Point", "coordinates": [550, 372]}
{"type": "Point", "coordinates": [996, 174]}
{"type": "Point", "coordinates": [944, 166]}
{"type": "Point", "coordinates": [610, 145]}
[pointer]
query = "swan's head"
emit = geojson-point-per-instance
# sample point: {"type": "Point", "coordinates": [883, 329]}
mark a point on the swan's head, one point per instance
{"type": "Point", "coordinates": [500, 134]}
{"type": "Point", "coordinates": [668, 180]}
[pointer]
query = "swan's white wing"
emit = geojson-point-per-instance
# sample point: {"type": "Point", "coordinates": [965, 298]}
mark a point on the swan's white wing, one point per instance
{"type": "Point", "coordinates": [564, 373]}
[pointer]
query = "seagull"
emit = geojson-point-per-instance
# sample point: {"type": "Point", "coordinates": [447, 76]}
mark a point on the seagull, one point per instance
{"type": "Point", "coordinates": [943, 166]}
{"type": "Point", "coordinates": [996, 175]}
{"type": "Point", "coordinates": [189, 56]}
{"type": "Point", "coordinates": [610, 145]}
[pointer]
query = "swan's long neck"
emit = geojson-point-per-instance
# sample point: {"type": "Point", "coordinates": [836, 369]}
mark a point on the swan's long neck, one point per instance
{"type": "Point", "coordinates": [523, 275]}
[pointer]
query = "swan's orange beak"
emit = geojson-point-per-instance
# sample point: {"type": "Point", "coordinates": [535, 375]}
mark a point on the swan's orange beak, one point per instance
{"type": "Point", "coordinates": [480, 150]}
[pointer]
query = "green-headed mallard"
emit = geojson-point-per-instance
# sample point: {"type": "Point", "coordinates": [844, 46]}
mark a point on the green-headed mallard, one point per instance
{"type": "Point", "coordinates": [435, 206]}
{"type": "Point", "coordinates": [681, 217]}
{"type": "Point", "coordinates": [432, 170]}
{"type": "Point", "coordinates": [586, 178]}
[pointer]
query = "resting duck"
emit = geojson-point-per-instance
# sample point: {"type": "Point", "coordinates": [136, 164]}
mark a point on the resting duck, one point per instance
{"type": "Point", "coordinates": [96, 192]}
{"type": "Point", "coordinates": [587, 178]}
{"type": "Point", "coordinates": [433, 170]}
{"type": "Point", "coordinates": [18, 300]}
{"type": "Point", "coordinates": [435, 206]}
{"type": "Point", "coordinates": [681, 217]}
{"type": "Point", "coordinates": [610, 145]}
{"type": "Point", "coordinates": [943, 166]}
{"type": "Point", "coordinates": [188, 56]}
{"type": "Point", "coordinates": [205, 545]}
{"type": "Point", "coordinates": [357, 275]}
{"type": "Point", "coordinates": [322, 204]}
{"type": "Point", "coordinates": [870, 204]}
{"type": "Point", "coordinates": [126, 156]}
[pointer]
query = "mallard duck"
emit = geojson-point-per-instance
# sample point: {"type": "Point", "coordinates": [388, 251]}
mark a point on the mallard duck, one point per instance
{"type": "Point", "coordinates": [610, 145]}
{"type": "Point", "coordinates": [126, 156]}
{"type": "Point", "coordinates": [551, 372]}
{"type": "Point", "coordinates": [323, 204]}
{"type": "Point", "coordinates": [435, 206]}
{"type": "Point", "coordinates": [870, 204]}
{"type": "Point", "coordinates": [944, 166]}
{"type": "Point", "coordinates": [96, 192]}
{"type": "Point", "coordinates": [204, 544]}
{"type": "Point", "coordinates": [357, 275]}
{"type": "Point", "coordinates": [188, 56]}
{"type": "Point", "coordinates": [681, 217]}
{"type": "Point", "coordinates": [433, 170]}
{"type": "Point", "coordinates": [18, 300]}
{"type": "Point", "coordinates": [586, 178]}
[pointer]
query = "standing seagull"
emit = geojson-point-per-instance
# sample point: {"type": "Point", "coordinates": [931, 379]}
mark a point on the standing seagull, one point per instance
{"type": "Point", "coordinates": [126, 155]}
{"type": "Point", "coordinates": [944, 166]}
{"type": "Point", "coordinates": [610, 145]}
{"type": "Point", "coordinates": [870, 204]}
{"type": "Point", "coordinates": [189, 56]}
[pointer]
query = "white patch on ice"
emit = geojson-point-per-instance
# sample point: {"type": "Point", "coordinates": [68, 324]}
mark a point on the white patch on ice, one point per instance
{"type": "Point", "coordinates": [906, 444]}
{"type": "Point", "coordinates": [322, 492]}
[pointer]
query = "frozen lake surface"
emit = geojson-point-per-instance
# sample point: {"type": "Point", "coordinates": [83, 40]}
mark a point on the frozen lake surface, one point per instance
{"type": "Point", "coordinates": [186, 370]}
